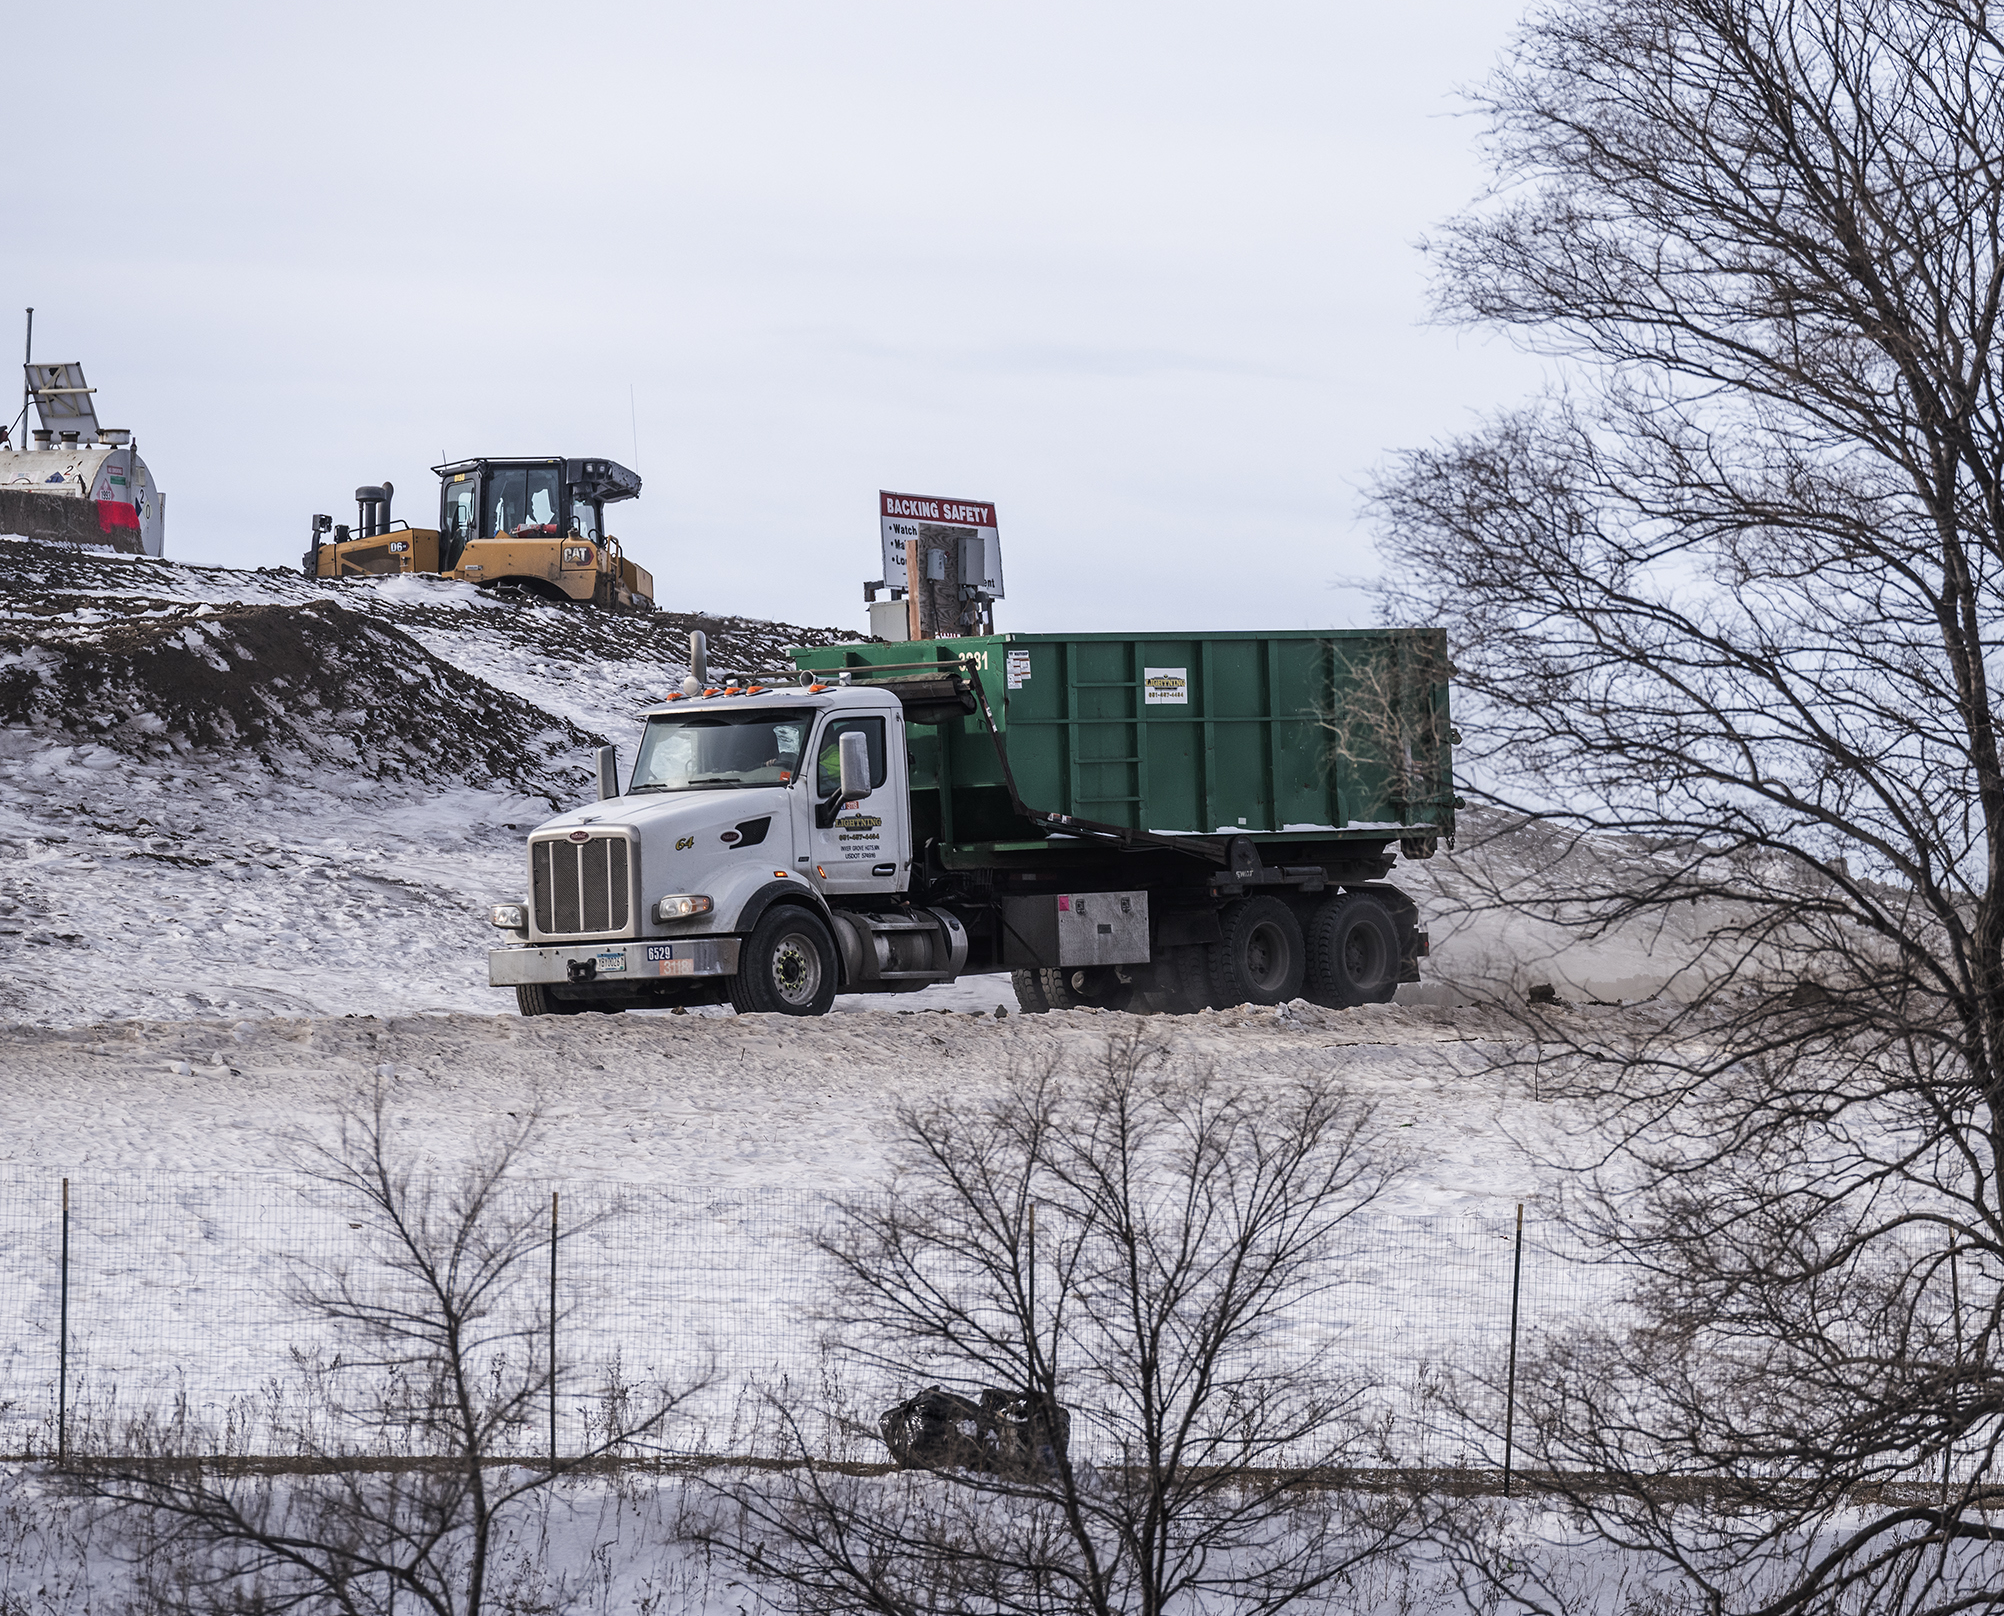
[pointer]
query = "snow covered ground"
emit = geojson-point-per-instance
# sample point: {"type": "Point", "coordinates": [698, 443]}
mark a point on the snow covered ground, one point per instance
{"type": "Point", "coordinates": [714, 1142]}
{"type": "Point", "coordinates": [249, 827]}
{"type": "Point", "coordinates": [614, 1547]}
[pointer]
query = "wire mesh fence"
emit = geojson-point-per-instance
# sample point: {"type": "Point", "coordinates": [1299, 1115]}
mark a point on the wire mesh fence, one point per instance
{"type": "Point", "coordinates": [182, 1291]}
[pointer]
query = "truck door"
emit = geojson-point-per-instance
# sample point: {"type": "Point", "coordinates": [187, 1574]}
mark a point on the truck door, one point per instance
{"type": "Point", "coordinates": [862, 846]}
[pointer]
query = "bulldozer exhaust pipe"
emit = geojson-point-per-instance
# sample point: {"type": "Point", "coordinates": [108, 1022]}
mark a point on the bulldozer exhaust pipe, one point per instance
{"type": "Point", "coordinates": [372, 509]}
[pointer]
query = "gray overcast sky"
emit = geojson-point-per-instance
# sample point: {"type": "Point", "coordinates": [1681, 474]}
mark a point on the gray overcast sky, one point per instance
{"type": "Point", "coordinates": [1143, 275]}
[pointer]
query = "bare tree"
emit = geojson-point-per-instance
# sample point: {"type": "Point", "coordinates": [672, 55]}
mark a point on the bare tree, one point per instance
{"type": "Point", "coordinates": [415, 1444]}
{"type": "Point", "coordinates": [1724, 613]}
{"type": "Point", "coordinates": [1107, 1266]}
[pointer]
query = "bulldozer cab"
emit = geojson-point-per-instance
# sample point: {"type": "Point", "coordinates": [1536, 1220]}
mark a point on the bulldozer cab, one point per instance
{"type": "Point", "coordinates": [549, 498]}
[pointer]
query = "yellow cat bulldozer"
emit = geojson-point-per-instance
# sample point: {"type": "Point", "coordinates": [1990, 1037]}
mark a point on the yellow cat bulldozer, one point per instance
{"type": "Point", "coordinates": [533, 525]}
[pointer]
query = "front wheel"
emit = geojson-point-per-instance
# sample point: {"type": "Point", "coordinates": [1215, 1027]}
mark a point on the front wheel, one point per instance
{"type": "Point", "coordinates": [534, 999]}
{"type": "Point", "coordinates": [787, 966]}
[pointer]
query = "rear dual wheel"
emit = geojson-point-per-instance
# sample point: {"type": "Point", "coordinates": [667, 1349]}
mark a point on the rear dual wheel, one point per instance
{"type": "Point", "coordinates": [1097, 987]}
{"type": "Point", "coordinates": [1350, 954]}
{"type": "Point", "coordinates": [1260, 959]}
{"type": "Point", "coordinates": [1029, 986]}
{"type": "Point", "coordinates": [1354, 954]}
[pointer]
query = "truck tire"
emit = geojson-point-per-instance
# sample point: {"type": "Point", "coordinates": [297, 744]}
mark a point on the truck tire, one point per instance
{"type": "Point", "coordinates": [1182, 982]}
{"type": "Point", "coordinates": [534, 999]}
{"type": "Point", "coordinates": [787, 966]}
{"type": "Point", "coordinates": [1353, 952]}
{"type": "Point", "coordinates": [1095, 987]}
{"type": "Point", "coordinates": [1029, 986]}
{"type": "Point", "coordinates": [1261, 959]}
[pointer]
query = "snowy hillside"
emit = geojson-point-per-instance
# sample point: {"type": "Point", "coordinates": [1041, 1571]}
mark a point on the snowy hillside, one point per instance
{"type": "Point", "coordinates": [229, 793]}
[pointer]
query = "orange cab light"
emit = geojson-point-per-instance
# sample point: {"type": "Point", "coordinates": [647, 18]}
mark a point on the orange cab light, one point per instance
{"type": "Point", "coordinates": [673, 695]}
{"type": "Point", "coordinates": [711, 691]}
{"type": "Point", "coordinates": [821, 870]}
{"type": "Point", "coordinates": [753, 690]}
{"type": "Point", "coordinates": [815, 690]}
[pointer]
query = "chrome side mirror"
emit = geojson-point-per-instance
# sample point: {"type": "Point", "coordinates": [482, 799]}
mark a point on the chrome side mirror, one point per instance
{"type": "Point", "coordinates": [854, 747]}
{"type": "Point", "coordinates": [608, 773]}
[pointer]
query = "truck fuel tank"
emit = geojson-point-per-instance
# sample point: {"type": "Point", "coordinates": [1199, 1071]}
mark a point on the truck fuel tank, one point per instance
{"type": "Point", "coordinates": [907, 948]}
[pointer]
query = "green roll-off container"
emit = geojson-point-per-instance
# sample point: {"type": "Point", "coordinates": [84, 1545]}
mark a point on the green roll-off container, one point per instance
{"type": "Point", "coordinates": [1308, 736]}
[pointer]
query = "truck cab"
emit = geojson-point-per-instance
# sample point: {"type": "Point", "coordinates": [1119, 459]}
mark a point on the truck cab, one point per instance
{"type": "Point", "coordinates": [760, 849]}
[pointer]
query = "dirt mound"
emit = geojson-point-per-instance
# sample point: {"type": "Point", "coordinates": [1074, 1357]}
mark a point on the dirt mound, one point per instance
{"type": "Point", "coordinates": [589, 637]}
{"type": "Point", "coordinates": [49, 580]}
{"type": "Point", "coordinates": [296, 687]}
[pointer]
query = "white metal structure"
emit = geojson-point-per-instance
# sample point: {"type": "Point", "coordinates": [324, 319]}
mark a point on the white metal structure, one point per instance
{"type": "Point", "coordinates": [79, 483]}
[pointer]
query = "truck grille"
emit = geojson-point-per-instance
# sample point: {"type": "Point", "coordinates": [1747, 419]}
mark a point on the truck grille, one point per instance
{"type": "Point", "coordinates": [580, 888]}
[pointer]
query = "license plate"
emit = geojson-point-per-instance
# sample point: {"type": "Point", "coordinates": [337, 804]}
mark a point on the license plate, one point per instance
{"type": "Point", "coordinates": [612, 962]}
{"type": "Point", "coordinates": [662, 961]}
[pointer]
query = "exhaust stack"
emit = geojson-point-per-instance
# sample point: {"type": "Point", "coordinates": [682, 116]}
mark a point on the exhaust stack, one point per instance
{"type": "Point", "coordinates": [372, 509]}
{"type": "Point", "coordinates": [699, 664]}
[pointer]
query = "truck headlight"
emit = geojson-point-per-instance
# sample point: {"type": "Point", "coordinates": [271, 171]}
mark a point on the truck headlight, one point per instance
{"type": "Point", "coordinates": [681, 906]}
{"type": "Point", "coordinates": [509, 916]}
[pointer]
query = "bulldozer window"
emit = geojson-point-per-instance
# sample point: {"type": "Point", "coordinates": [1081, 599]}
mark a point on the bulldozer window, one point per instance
{"type": "Point", "coordinates": [521, 502]}
{"type": "Point", "coordinates": [584, 518]}
{"type": "Point", "coordinates": [542, 504]}
{"type": "Point", "coordinates": [458, 523]}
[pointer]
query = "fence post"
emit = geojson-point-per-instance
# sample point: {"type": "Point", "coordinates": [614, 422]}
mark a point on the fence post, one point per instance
{"type": "Point", "coordinates": [1955, 1305]}
{"type": "Point", "coordinates": [1510, 1392]}
{"type": "Point", "coordinates": [1032, 1342]}
{"type": "Point", "coordinates": [63, 1343]}
{"type": "Point", "coordinates": [553, 1329]}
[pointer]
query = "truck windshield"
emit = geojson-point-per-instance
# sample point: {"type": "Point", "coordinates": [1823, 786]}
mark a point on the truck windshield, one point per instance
{"type": "Point", "coordinates": [720, 751]}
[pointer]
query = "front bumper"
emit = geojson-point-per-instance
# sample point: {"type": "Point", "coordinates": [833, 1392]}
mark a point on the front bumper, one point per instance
{"type": "Point", "coordinates": [613, 962]}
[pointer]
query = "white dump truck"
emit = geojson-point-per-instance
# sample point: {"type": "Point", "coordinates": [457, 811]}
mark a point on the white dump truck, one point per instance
{"type": "Point", "coordinates": [1123, 822]}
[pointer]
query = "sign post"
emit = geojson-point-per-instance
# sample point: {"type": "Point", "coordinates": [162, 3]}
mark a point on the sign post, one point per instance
{"type": "Point", "coordinates": [943, 558]}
